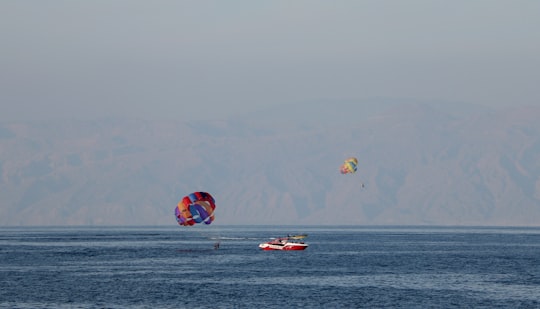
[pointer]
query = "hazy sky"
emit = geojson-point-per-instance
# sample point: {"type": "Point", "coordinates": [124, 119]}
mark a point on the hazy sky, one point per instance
{"type": "Point", "coordinates": [204, 59]}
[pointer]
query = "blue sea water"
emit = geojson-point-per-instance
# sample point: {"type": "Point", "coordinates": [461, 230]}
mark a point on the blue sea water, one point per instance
{"type": "Point", "coordinates": [344, 267]}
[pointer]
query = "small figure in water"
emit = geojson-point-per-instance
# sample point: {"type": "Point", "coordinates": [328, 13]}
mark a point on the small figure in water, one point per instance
{"type": "Point", "coordinates": [216, 245]}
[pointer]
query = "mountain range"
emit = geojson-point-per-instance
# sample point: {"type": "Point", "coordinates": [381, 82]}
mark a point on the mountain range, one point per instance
{"type": "Point", "coordinates": [420, 163]}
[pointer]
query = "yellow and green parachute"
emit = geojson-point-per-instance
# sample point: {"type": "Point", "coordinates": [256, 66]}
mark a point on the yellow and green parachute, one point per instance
{"type": "Point", "coordinates": [349, 166]}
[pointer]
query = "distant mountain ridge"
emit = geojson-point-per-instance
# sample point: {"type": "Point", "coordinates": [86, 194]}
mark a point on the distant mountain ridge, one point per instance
{"type": "Point", "coordinates": [421, 163]}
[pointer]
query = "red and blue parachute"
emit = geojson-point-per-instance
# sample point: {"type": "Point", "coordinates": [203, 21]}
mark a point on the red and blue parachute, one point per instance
{"type": "Point", "coordinates": [197, 207]}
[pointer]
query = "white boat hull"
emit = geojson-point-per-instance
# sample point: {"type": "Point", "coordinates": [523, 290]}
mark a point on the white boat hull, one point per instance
{"type": "Point", "coordinates": [286, 246]}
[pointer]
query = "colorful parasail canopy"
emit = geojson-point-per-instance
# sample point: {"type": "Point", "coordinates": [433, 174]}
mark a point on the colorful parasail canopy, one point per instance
{"type": "Point", "coordinates": [195, 208]}
{"type": "Point", "coordinates": [349, 166]}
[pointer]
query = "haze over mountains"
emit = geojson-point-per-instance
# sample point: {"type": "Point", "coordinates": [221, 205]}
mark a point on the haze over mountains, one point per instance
{"type": "Point", "coordinates": [421, 163]}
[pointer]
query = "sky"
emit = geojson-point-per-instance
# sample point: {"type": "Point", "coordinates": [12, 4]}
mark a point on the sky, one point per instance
{"type": "Point", "coordinates": [199, 59]}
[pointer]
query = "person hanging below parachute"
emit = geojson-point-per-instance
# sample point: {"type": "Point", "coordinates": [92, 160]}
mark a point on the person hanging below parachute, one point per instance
{"type": "Point", "coordinates": [197, 207]}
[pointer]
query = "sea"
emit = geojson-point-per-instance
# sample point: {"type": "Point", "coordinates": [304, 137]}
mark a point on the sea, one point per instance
{"type": "Point", "coordinates": [343, 267]}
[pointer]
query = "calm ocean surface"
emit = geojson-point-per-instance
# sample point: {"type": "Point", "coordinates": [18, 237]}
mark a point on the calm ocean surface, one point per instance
{"type": "Point", "coordinates": [344, 267]}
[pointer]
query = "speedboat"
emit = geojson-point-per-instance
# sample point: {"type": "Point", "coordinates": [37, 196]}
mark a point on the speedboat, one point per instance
{"type": "Point", "coordinates": [283, 244]}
